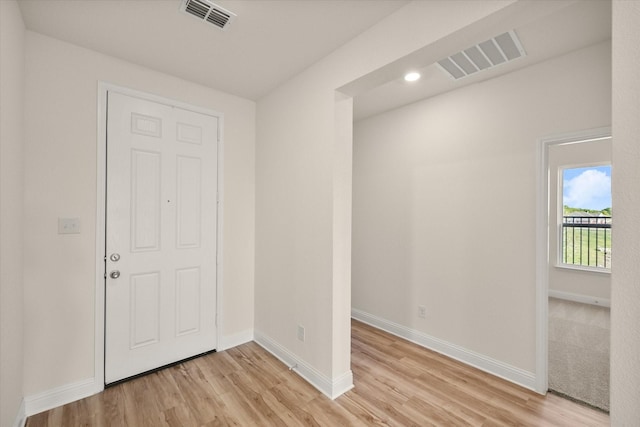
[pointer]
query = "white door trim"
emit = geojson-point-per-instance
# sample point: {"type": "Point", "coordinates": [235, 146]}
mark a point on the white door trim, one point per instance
{"type": "Point", "coordinates": [101, 158]}
{"type": "Point", "coordinates": [542, 243]}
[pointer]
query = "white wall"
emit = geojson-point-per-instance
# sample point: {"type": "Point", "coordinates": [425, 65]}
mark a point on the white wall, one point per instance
{"type": "Point", "coordinates": [298, 172]}
{"type": "Point", "coordinates": [625, 287]}
{"type": "Point", "coordinates": [60, 166]}
{"type": "Point", "coordinates": [444, 210]}
{"type": "Point", "coordinates": [12, 43]}
{"type": "Point", "coordinates": [365, 53]}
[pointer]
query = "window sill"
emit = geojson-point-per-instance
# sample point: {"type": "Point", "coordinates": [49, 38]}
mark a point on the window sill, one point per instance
{"type": "Point", "coordinates": [584, 268]}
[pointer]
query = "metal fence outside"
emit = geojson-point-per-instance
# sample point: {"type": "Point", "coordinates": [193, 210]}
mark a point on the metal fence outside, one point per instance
{"type": "Point", "coordinates": [586, 241]}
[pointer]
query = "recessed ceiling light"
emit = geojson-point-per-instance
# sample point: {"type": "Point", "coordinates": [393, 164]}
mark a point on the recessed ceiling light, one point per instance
{"type": "Point", "coordinates": [412, 77]}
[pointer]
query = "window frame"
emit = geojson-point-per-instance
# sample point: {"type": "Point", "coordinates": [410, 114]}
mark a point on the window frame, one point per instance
{"type": "Point", "coordinates": [560, 216]}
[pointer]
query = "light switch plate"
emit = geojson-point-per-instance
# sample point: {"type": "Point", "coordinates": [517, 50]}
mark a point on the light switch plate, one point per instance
{"type": "Point", "coordinates": [68, 225]}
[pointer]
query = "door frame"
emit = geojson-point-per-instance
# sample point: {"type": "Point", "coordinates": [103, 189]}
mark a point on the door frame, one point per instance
{"type": "Point", "coordinates": [101, 175]}
{"type": "Point", "coordinates": [542, 243]}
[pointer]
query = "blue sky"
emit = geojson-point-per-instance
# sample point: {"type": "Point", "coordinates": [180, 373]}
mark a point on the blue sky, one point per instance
{"type": "Point", "coordinates": [588, 188]}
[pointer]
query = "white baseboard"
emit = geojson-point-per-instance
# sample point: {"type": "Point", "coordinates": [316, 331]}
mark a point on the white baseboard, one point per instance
{"type": "Point", "coordinates": [71, 392]}
{"type": "Point", "coordinates": [21, 416]}
{"type": "Point", "coordinates": [60, 396]}
{"type": "Point", "coordinates": [584, 299]}
{"type": "Point", "coordinates": [495, 367]}
{"type": "Point", "coordinates": [332, 388]}
{"type": "Point", "coordinates": [230, 341]}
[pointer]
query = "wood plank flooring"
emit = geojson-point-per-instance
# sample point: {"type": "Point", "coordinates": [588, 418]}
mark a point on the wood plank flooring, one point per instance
{"type": "Point", "coordinates": [396, 383]}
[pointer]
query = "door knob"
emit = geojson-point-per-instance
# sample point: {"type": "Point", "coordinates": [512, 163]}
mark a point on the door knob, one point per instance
{"type": "Point", "coordinates": [115, 257]}
{"type": "Point", "coordinates": [114, 274]}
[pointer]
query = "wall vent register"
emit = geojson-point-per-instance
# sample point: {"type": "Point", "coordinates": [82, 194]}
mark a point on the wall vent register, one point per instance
{"type": "Point", "coordinates": [208, 12]}
{"type": "Point", "coordinates": [490, 53]}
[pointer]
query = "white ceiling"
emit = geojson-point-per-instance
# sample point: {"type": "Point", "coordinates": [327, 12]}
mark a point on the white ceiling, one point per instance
{"type": "Point", "coordinates": [272, 40]}
{"type": "Point", "coordinates": [268, 43]}
{"type": "Point", "coordinates": [545, 29]}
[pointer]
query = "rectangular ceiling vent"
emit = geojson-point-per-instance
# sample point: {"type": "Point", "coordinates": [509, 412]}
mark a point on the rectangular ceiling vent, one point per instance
{"type": "Point", "coordinates": [208, 12]}
{"type": "Point", "coordinates": [483, 56]}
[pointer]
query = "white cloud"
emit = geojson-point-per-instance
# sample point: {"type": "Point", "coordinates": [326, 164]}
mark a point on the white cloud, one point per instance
{"type": "Point", "coordinates": [590, 190]}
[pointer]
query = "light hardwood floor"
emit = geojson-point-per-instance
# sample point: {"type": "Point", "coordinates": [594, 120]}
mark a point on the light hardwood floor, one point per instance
{"type": "Point", "coordinates": [396, 383]}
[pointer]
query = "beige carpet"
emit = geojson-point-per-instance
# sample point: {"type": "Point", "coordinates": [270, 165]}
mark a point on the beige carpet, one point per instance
{"type": "Point", "coordinates": [579, 351]}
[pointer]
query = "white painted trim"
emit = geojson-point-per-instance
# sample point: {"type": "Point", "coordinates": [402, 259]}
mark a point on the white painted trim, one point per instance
{"type": "Point", "coordinates": [542, 269]}
{"type": "Point", "coordinates": [101, 158]}
{"type": "Point", "coordinates": [487, 364]}
{"type": "Point", "coordinates": [59, 396]}
{"type": "Point", "coordinates": [542, 243]}
{"type": "Point", "coordinates": [341, 384]}
{"type": "Point", "coordinates": [101, 173]}
{"type": "Point", "coordinates": [219, 232]}
{"type": "Point", "coordinates": [577, 137]}
{"type": "Point", "coordinates": [584, 299]}
{"type": "Point", "coordinates": [229, 341]}
{"type": "Point", "coordinates": [597, 270]}
{"type": "Point", "coordinates": [332, 388]}
{"type": "Point", "coordinates": [21, 416]}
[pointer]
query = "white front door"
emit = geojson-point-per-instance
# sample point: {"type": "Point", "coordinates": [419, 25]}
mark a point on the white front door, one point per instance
{"type": "Point", "coordinates": [161, 216]}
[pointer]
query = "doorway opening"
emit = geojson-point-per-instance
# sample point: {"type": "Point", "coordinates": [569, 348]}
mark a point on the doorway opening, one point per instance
{"type": "Point", "coordinates": [578, 264]}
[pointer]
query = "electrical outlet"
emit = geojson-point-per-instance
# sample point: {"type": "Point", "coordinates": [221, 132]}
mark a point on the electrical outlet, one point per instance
{"type": "Point", "coordinates": [422, 311]}
{"type": "Point", "coordinates": [300, 333]}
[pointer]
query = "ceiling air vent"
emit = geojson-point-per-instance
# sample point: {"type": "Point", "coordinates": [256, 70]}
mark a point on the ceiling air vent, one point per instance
{"type": "Point", "coordinates": [488, 54]}
{"type": "Point", "coordinates": [208, 12]}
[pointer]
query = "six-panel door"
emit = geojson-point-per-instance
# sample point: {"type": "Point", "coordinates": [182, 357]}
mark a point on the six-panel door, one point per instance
{"type": "Point", "coordinates": [161, 235]}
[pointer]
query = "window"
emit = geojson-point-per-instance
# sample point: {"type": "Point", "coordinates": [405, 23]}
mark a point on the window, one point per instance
{"type": "Point", "coordinates": [586, 217]}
